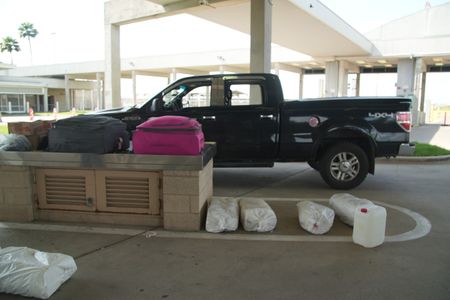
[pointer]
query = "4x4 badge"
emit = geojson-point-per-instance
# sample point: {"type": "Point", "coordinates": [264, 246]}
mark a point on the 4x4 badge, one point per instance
{"type": "Point", "coordinates": [382, 115]}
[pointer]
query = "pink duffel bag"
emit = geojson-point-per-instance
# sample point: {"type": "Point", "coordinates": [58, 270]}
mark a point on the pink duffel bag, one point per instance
{"type": "Point", "coordinates": [169, 135]}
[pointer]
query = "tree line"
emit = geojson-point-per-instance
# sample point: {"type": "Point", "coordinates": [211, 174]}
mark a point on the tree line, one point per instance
{"type": "Point", "coordinates": [10, 44]}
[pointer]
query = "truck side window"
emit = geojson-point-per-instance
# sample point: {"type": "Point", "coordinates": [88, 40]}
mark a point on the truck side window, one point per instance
{"type": "Point", "coordinates": [171, 98]}
{"type": "Point", "coordinates": [198, 97]}
{"type": "Point", "coordinates": [186, 95]}
{"type": "Point", "coordinates": [245, 94]}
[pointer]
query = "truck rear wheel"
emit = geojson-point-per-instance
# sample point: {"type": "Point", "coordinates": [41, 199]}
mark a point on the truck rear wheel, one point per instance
{"type": "Point", "coordinates": [314, 164]}
{"type": "Point", "coordinates": [344, 166]}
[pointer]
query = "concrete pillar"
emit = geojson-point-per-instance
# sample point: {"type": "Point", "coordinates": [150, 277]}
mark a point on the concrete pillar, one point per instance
{"type": "Point", "coordinates": [92, 100]}
{"type": "Point", "coordinates": [112, 66]}
{"type": "Point", "coordinates": [409, 82]}
{"type": "Point", "coordinates": [422, 117]}
{"type": "Point", "coordinates": [173, 76]}
{"type": "Point", "coordinates": [358, 84]}
{"type": "Point", "coordinates": [419, 75]}
{"type": "Point", "coordinates": [38, 104]}
{"type": "Point", "coordinates": [336, 78]}
{"type": "Point", "coordinates": [300, 85]}
{"type": "Point", "coordinates": [99, 91]}
{"type": "Point", "coordinates": [73, 96]}
{"type": "Point", "coordinates": [133, 79]}
{"type": "Point", "coordinates": [25, 103]}
{"type": "Point", "coordinates": [67, 92]}
{"type": "Point", "coordinates": [276, 69]}
{"type": "Point", "coordinates": [83, 99]}
{"type": "Point", "coordinates": [405, 77]}
{"type": "Point", "coordinates": [343, 79]}
{"type": "Point", "coordinates": [45, 90]}
{"type": "Point", "coordinates": [331, 79]}
{"type": "Point", "coordinates": [260, 36]}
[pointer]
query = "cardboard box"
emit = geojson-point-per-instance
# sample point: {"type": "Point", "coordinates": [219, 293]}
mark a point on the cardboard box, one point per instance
{"type": "Point", "coordinates": [38, 127]}
{"type": "Point", "coordinates": [36, 131]}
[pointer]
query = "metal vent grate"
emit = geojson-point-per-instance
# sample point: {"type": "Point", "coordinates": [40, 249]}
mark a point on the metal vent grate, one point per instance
{"type": "Point", "coordinates": [127, 192]}
{"type": "Point", "coordinates": [65, 190]}
{"type": "Point", "coordinates": [103, 191]}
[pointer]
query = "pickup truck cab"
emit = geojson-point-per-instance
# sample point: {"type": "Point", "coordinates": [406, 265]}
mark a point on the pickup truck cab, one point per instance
{"type": "Point", "coordinates": [253, 126]}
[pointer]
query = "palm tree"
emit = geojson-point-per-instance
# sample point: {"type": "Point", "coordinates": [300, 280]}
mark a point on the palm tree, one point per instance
{"type": "Point", "coordinates": [9, 44]}
{"type": "Point", "coordinates": [27, 30]}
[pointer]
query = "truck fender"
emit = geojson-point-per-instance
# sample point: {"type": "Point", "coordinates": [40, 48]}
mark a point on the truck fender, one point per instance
{"type": "Point", "coordinates": [349, 133]}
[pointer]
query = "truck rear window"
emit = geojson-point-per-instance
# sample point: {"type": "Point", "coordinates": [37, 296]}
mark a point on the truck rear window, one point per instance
{"type": "Point", "coordinates": [245, 94]}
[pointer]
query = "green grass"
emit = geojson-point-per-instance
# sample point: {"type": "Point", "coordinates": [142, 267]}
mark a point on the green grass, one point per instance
{"type": "Point", "coordinates": [3, 129]}
{"type": "Point", "coordinates": [429, 150]}
{"type": "Point", "coordinates": [64, 113]}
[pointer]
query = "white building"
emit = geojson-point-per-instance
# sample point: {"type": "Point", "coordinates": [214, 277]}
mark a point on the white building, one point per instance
{"type": "Point", "coordinates": [406, 48]}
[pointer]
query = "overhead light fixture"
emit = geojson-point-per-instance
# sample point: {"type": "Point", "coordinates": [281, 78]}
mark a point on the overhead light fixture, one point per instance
{"type": "Point", "coordinates": [205, 3]}
{"type": "Point", "coordinates": [437, 59]}
{"type": "Point", "coordinates": [368, 66]}
{"type": "Point", "coordinates": [296, 64]}
{"type": "Point", "coordinates": [313, 63]}
{"type": "Point", "coordinates": [382, 61]}
{"type": "Point", "coordinates": [439, 64]}
{"type": "Point", "coordinates": [388, 65]}
{"type": "Point", "coordinates": [307, 68]}
{"type": "Point", "coordinates": [360, 62]}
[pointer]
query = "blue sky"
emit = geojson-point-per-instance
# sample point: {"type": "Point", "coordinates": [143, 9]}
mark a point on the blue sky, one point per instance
{"type": "Point", "coordinates": [72, 30]}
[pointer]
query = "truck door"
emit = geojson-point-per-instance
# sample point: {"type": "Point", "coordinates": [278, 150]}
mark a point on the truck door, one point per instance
{"type": "Point", "coordinates": [233, 113]}
{"type": "Point", "coordinates": [250, 124]}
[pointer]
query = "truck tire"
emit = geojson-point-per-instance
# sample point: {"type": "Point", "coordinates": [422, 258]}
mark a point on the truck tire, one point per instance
{"type": "Point", "coordinates": [314, 164]}
{"type": "Point", "coordinates": [344, 166]}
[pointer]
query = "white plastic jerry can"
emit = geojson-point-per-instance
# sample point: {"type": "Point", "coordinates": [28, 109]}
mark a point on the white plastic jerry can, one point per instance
{"type": "Point", "coordinates": [369, 226]}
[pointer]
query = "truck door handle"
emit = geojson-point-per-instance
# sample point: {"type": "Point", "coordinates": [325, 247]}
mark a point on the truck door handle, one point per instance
{"type": "Point", "coordinates": [266, 117]}
{"type": "Point", "coordinates": [209, 118]}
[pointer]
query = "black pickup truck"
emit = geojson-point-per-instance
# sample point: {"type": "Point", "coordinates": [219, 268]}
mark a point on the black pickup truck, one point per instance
{"type": "Point", "coordinates": [253, 126]}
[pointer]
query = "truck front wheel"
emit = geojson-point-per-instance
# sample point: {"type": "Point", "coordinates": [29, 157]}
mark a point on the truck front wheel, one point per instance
{"type": "Point", "coordinates": [344, 166]}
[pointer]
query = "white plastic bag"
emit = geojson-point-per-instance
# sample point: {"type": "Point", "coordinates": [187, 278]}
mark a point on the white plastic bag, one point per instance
{"type": "Point", "coordinates": [33, 273]}
{"type": "Point", "coordinates": [14, 142]}
{"type": "Point", "coordinates": [223, 215]}
{"type": "Point", "coordinates": [257, 215]}
{"type": "Point", "coordinates": [345, 205]}
{"type": "Point", "coordinates": [315, 218]}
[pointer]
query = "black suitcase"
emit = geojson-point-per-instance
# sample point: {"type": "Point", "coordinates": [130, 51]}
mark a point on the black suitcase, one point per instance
{"type": "Point", "coordinates": [88, 134]}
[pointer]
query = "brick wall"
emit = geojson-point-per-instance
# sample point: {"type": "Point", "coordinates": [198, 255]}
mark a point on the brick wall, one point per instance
{"type": "Point", "coordinates": [16, 194]}
{"type": "Point", "coordinates": [185, 194]}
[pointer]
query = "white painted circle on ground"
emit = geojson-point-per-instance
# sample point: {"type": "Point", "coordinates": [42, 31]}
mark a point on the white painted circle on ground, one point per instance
{"type": "Point", "coordinates": [422, 228]}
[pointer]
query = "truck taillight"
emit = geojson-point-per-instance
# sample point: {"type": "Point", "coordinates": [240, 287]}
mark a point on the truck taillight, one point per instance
{"type": "Point", "coordinates": [404, 120]}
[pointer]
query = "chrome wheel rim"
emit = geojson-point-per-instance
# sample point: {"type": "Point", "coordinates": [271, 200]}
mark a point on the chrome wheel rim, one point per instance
{"type": "Point", "coordinates": [344, 166]}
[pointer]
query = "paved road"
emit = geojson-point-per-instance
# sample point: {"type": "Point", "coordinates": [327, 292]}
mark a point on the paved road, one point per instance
{"type": "Point", "coordinates": [119, 266]}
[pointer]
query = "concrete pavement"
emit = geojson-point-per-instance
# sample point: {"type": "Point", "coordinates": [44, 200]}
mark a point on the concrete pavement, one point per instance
{"type": "Point", "coordinates": [138, 265]}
